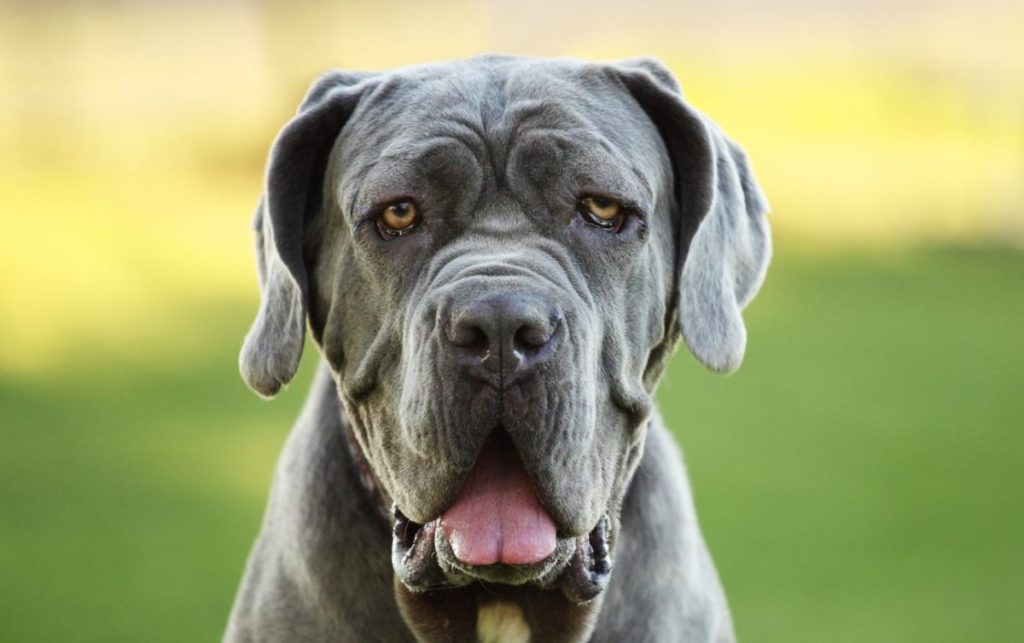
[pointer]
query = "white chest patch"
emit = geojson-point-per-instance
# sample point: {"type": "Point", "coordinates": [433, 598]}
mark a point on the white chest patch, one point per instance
{"type": "Point", "coordinates": [502, 623]}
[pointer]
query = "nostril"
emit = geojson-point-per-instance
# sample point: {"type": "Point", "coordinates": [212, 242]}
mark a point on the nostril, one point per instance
{"type": "Point", "coordinates": [470, 337]}
{"type": "Point", "coordinates": [531, 337]}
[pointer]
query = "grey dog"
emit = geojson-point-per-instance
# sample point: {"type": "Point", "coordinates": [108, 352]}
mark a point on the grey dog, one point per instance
{"type": "Point", "coordinates": [496, 258]}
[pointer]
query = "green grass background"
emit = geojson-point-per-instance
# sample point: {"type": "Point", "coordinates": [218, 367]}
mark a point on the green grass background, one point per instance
{"type": "Point", "coordinates": [859, 479]}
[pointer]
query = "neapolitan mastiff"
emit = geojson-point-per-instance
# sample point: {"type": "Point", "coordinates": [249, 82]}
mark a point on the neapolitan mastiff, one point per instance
{"type": "Point", "coordinates": [496, 257]}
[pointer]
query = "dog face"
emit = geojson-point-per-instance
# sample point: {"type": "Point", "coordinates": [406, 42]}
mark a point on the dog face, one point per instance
{"type": "Point", "coordinates": [495, 258]}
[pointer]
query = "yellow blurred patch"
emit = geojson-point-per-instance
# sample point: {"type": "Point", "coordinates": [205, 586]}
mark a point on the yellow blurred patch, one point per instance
{"type": "Point", "coordinates": [134, 135]}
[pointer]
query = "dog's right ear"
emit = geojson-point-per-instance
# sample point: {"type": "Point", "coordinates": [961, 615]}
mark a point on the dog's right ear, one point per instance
{"type": "Point", "coordinates": [293, 195]}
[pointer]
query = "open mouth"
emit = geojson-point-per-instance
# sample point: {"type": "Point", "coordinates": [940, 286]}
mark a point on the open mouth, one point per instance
{"type": "Point", "coordinates": [496, 530]}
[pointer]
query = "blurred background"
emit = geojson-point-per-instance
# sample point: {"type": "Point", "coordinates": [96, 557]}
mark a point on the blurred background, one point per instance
{"type": "Point", "coordinates": [860, 478]}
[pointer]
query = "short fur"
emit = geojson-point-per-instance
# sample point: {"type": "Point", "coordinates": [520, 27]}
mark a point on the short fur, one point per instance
{"type": "Point", "coordinates": [495, 150]}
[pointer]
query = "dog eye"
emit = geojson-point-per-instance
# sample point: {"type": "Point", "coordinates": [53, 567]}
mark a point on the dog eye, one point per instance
{"type": "Point", "coordinates": [398, 218]}
{"type": "Point", "coordinates": [601, 211]}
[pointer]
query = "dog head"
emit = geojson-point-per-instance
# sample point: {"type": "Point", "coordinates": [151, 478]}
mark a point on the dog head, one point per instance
{"type": "Point", "coordinates": [496, 257]}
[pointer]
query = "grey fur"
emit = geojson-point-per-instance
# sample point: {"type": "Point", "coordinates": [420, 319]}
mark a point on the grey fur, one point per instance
{"type": "Point", "coordinates": [496, 151]}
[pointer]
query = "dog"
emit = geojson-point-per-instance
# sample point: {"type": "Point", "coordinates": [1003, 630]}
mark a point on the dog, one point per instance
{"type": "Point", "coordinates": [496, 257]}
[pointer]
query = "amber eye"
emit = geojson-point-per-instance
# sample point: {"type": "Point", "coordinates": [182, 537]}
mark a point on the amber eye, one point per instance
{"type": "Point", "coordinates": [398, 218]}
{"type": "Point", "coordinates": [601, 211]}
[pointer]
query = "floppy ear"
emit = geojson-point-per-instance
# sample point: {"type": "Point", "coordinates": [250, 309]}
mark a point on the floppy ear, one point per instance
{"type": "Point", "coordinates": [724, 242]}
{"type": "Point", "coordinates": [293, 195]}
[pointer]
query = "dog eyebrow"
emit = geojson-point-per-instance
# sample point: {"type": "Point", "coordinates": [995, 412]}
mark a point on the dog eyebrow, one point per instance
{"type": "Point", "coordinates": [584, 164]}
{"type": "Point", "coordinates": [413, 150]}
{"type": "Point", "coordinates": [407, 168]}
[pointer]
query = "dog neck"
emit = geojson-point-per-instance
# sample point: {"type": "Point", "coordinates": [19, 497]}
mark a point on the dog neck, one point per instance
{"type": "Point", "coordinates": [372, 489]}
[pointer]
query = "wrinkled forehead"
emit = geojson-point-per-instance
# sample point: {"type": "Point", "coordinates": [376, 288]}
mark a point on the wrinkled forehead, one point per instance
{"type": "Point", "coordinates": [503, 121]}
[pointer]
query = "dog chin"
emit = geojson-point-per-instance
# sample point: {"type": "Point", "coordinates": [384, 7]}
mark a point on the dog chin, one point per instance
{"type": "Point", "coordinates": [424, 560]}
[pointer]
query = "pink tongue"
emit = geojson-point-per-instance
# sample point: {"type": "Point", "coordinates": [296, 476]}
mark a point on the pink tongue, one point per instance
{"type": "Point", "coordinates": [497, 517]}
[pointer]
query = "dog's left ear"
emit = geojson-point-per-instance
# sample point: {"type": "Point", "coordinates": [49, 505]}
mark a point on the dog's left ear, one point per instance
{"type": "Point", "coordinates": [293, 195]}
{"type": "Point", "coordinates": [723, 234]}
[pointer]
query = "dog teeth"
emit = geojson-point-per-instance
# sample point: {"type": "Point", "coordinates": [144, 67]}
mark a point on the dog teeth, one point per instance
{"type": "Point", "coordinates": [599, 547]}
{"type": "Point", "coordinates": [590, 568]}
{"type": "Point", "coordinates": [404, 529]}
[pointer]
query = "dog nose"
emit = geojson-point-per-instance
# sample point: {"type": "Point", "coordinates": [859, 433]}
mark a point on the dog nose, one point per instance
{"type": "Point", "coordinates": [504, 333]}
